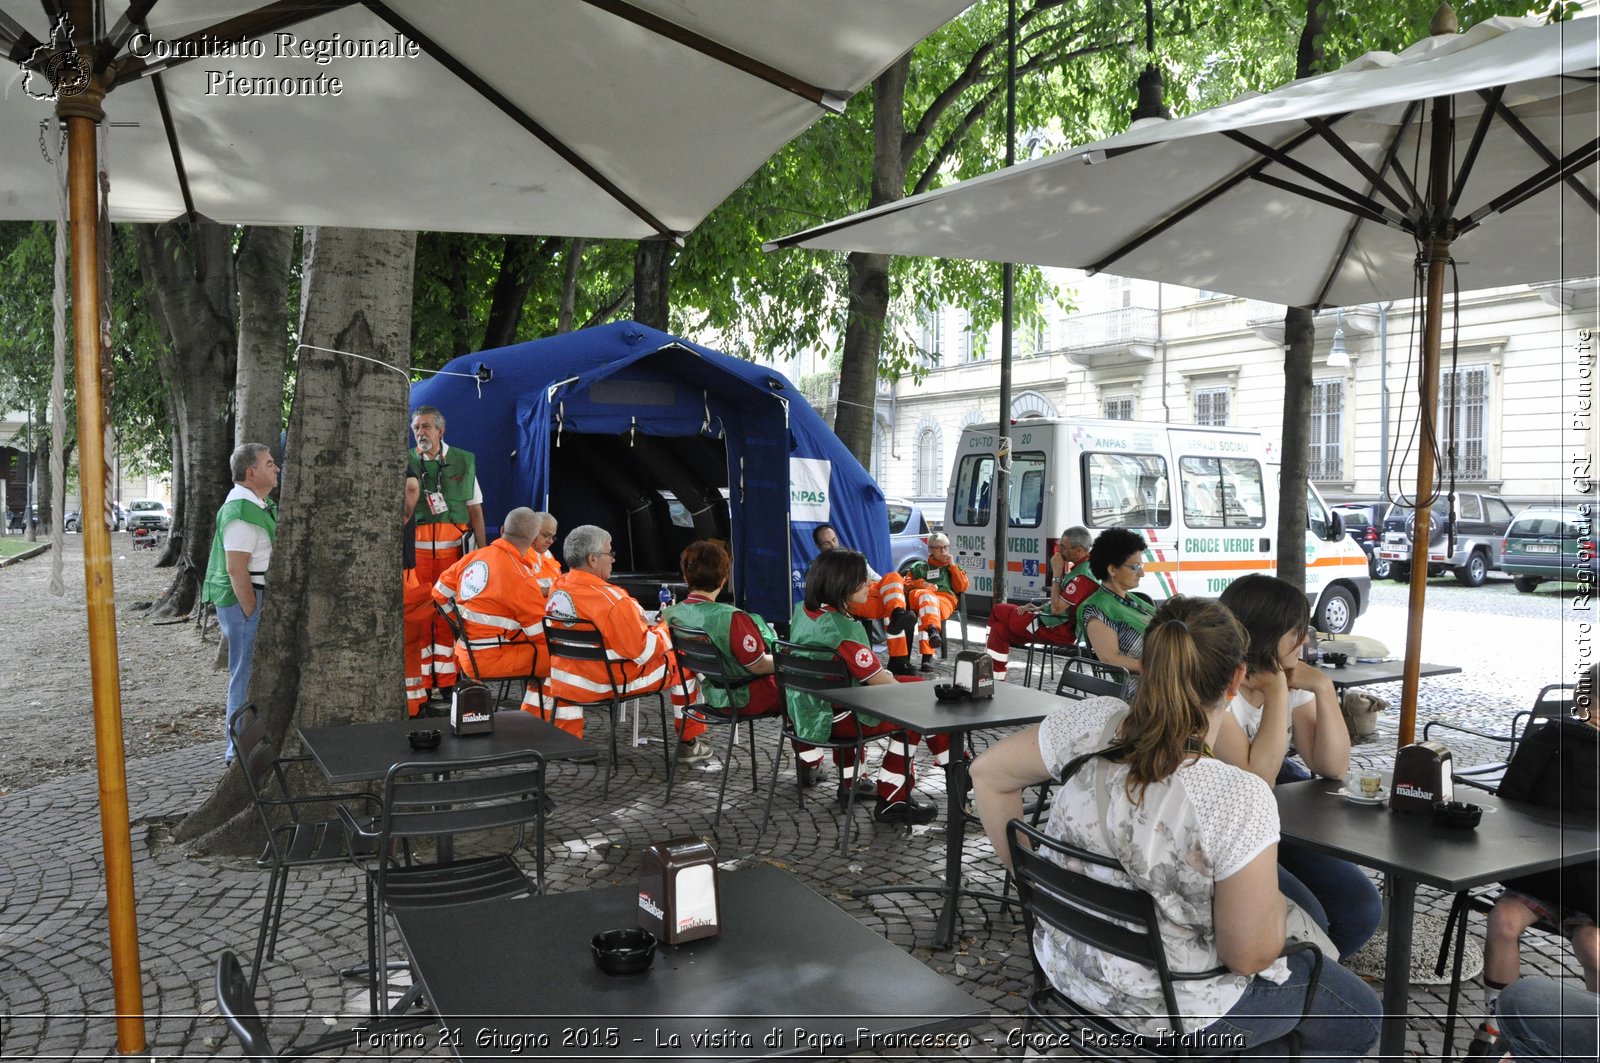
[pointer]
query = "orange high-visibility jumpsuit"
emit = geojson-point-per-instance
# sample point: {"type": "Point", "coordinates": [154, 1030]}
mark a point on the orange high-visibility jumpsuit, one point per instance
{"type": "Point", "coordinates": [496, 594]}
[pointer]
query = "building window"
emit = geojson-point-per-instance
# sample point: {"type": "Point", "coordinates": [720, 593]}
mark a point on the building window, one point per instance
{"type": "Point", "coordinates": [880, 453]}
{"type": "Point", "coordinates": [1119, 409]}
{"type": "Point", "coordinates": [929, 462]}
{"type": "Point", "coordinates": [969, 346]}
{"type": "Point", "coordinates": [1211, 406]}
{"type": "Point", "coordinates": [932, 339]}
{"type": "Point", "coordinates": [1464, 420]}
{"type": "Point", "coordinates": [1326, 458]}
{"type": "Point", "coordinates": [1120, 291]}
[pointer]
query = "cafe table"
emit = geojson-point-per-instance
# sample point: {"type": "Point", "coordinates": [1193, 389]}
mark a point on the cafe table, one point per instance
{"type": "Point", "coordinates": [789, 973]}
{"type": "Point", "coordinates": [364, 752]}
{"type": "Point", "coordinates": [913, 706]}
{"type": "Point", "coordinates": [1410, 848]}
{"type": "Point", "coordinates": [1368, 673]}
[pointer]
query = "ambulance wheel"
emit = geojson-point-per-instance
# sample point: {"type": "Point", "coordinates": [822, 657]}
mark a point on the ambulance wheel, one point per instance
{"type": "Point", "coordinates": [1336, 613]}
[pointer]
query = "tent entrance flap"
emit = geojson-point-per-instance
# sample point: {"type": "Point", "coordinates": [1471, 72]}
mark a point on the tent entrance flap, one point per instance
{"type": "Point", "coordinates": [654, 494]}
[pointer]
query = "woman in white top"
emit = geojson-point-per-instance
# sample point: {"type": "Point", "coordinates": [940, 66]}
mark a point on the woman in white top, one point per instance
{"type": "Point", "coordinates": [1200, 836]}
{"type": "Point", "coordinates": [1283, 697]}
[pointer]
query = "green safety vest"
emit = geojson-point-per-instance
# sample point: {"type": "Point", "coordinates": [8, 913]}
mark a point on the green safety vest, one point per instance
{"type": "Point", "coordinates": [715, 618]}
{"type": "Point", "coordinates": [813, 716]}
{"type": "Point", "coordinates": [454, 477]}
{"type": "Point", "coordinates": [939, 579]}
{"type": "Point", "coordinates": [218, 588]}
{"type": "Point", "coordinates": [1048, 619]}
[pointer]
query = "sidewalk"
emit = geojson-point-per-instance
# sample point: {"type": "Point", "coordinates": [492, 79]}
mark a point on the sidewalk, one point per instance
{"type": "Point", "coordinates": [55, 983]}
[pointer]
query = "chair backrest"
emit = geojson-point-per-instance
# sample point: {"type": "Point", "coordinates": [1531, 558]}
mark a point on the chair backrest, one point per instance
{"type": "Point", "coordinates": [1082, 676]}
{"type": "Point", "coordinates": [238, 1007]}
{"type": "Point", "coordinates": [803, 666]}
{"type": "Point", "coordinates": [581, 640]}
{"type": "Point", "coordinates": [698, 654]}
{"type": "Point", "coordinates": [1119, 920]}
{"type": "Point", "coordinates": [257, 756]}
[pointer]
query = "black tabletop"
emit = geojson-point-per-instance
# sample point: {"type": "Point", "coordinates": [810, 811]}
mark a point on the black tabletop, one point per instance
{"type": "Point", "coordinates": [1512, 839]}
{"type": "Point", "coordinates": [913, 705]}
{"type": "Point", "coordinates": [790, 973]}
{"type": "Point", "coordinates": [1356, 674]}
{"type": "Point", "coordinates": [360, 752]}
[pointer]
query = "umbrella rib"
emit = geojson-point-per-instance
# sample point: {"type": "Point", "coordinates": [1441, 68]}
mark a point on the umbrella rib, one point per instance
{"type": "Point", "coordinates": [1366, 203]}
{"type": "Point", "coordinates": [1546, 156]}
{"type": "Point", "coordinates": [517, 115]}
{"type": "Point", "coordinates": [1485, 120]}
{"type": "Point", "coordinates": [832, 101]}
{"type": "Point", "coordinates": [172, 145]}
{"type": "Point", "coordinates": [1227, 184]}
{"type": "Point", "coordinates": [131, 22]}
{"type": "Point", "coordinates": [1349, 155]}
{"type": "Point", "coordinates": [257, 23]}
{"type": "Point", "coordinates": [1335, 202]}
{"type": "Point", "coordinates": [1508, 200]}
{"type": "Point", "coordinates": [20, 44]}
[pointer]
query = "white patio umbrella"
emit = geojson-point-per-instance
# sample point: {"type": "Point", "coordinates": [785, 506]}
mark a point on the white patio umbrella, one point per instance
{"type": "Point", "coordinates": [1474, 151]}
{"type": "Point", "coordinates": [599, 118]}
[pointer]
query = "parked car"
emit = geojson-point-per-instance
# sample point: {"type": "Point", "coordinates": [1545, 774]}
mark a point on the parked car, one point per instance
{"type": "Point", "coordinates": [14, 517]}
{"type": "Point", "coordinates": [1361, 521]}
{"type": "Point", "coordinates": [119, 519]}
{"type": "Point", "coordinates": [1548, 541]}
{"type": "Point", "coordinates": [1480, 529]}
{"type": "Point", "coordinates": [148, 514]}
{"type": "Point", "coordinates": [908, 533]}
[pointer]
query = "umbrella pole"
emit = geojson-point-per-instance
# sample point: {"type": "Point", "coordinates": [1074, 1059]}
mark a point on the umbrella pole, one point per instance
{"type": "Point", "coordinates": [83, 116]}
{"type": "Point", "coordinates": [1428, 401]}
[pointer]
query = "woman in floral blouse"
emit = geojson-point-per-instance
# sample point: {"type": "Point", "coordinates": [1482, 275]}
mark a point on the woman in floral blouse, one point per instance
{"type": "Point", "coordinates": [1200, 836]}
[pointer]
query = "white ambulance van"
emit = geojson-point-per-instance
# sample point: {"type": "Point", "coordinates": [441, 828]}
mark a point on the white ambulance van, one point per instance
{"type": "Point", "coordinates": [1204, 499]}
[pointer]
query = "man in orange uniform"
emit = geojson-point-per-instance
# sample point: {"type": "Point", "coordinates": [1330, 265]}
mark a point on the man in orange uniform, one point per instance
{"type": "Point", "coordinates": [418, 604]}
{"type": "Point", "coordinates": [933, 587]}
{"type": "Point", "coordinates": [886, 601]}
{"type": "Point", "coordinates": [542, 557]}
{"type": "Point", "coordinates": [640, 651]}
{"type": "Point", "coordinates": [496, 593]}
{"type": "Point", "coordinates": [451, 504]}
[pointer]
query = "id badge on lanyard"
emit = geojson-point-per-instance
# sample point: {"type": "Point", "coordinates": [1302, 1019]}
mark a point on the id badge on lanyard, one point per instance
{"type": "Point", "coordinates": [436, 503]}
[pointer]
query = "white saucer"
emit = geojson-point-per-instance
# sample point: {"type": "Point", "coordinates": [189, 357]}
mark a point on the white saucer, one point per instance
{"type": "Point", "coordinates": [1357, 798]}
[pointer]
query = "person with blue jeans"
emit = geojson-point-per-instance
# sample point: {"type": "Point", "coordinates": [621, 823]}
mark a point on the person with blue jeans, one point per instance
{"type": "Point", "coordinates": [1283, 697]}
{"type": "Point", "coordinates": [236, 574]}
{"type": "Point", "coordinates": [1546, 1020]}
{"type": "Point", "coordinates": [1139, 783]}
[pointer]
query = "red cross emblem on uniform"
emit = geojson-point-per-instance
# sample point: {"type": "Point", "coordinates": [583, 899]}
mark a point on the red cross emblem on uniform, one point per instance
{"type": "Point", "coordinates": [750, 644]}
{"type": "Point", "coordinates": [864, 658]}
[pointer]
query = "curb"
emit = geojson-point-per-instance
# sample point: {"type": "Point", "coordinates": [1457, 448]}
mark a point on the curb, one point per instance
{"type": "Point", "coordinates": [25, 555]}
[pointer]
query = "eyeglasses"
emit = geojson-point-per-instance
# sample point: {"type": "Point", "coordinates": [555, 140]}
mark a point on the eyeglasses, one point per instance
{"type": "Point", "coordinates": [1137, 566]}
{"type": "Point", "coordinates": [612, 554]}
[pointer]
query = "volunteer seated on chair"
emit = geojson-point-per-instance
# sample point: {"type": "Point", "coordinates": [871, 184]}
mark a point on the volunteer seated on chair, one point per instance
{"type": "Point", "coordinates": [1200, 836]}
{"type": "Point", "coordinates": [933, 587]}
{"type": "Point", "coordinates": [495, 591]}
{"type": "Point", "coordinates": [885, 600]}
{"type": "Point", "coordinates": [639, 649]}
{"type": "Point", "coordinates": [836, 583]}
{"type": "Point", "coordinates": [1282, 696]}
{"type": "Point", "coordinates": [1056, 624]}
{"type": "Point", "coordinates": [1112, 618]}
{"type": "Point", "coordinates": [541, 556]}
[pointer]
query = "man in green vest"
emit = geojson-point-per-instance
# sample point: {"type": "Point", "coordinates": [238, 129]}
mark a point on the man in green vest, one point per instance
{"type": "Point", "coordinates": [236, 576]}
{"type": "Point", "coordinates": [449, 504]}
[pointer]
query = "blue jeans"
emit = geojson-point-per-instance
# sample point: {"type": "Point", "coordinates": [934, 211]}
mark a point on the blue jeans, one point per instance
{"type": "Point", "coordinates": [1343, 1023]}
{"type": "Point", "coordinates": [240, 631]}
{"type": "Point", "coordinates": [1545, 1020]}
{"type": "Point", "coordinates": [1334, 892]}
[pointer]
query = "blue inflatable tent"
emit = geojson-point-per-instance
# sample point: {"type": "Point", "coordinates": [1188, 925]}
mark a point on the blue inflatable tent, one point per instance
{"type": "Point", "coordinates": [660, 441]}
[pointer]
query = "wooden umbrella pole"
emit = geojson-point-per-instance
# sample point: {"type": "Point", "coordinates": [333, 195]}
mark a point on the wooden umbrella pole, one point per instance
{"type": "Point", "coordinates": [83, 115]}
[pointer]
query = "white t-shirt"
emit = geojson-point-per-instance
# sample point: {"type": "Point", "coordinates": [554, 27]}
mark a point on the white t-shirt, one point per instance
{"type": "Point", "coordinates": [1249, 716]}
{"type": "Point", "coordinates": [240, 536]}
{"type": "Point", "coordinates": [1202, 824]}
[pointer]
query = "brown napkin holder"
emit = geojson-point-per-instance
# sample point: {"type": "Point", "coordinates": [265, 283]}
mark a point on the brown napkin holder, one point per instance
{"type": "Point", "coordinates": [1421, 777]}
{"type": "Point", "coordinates": [471, 708]}
{"type": "Point", "coordinates": [974, 671]}
{"type": "Point", "coordinates": [678, 896]}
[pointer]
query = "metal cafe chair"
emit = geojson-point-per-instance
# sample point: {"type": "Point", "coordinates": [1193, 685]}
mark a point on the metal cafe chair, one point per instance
{"type": "Point", "coordinates": [444, 799]}
{"type": "Point", "coordinates": [452, 618]}
{"type": "Point", "coordinates": [1552, 702]}
{"type": "Point", "coordinates": [698, 654]}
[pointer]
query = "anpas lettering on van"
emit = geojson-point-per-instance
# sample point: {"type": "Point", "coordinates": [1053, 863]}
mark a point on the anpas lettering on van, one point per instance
{"type": "Point", "coordinates": [814, 497]}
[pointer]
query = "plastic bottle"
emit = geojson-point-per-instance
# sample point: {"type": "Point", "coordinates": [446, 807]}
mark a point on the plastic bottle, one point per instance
{"type": "Point", "coordinates": [665, 596]}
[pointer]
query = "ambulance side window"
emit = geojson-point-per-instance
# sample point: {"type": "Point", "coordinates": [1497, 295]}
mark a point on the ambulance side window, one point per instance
{"type": "Point", "coordinates": [1125, 491]}
{"type": "Point", "coordinates": [1222, 493]}
{"type": "Point", "coordinates": [970, 507]}
{"type": "Point", "coordinates": [1027, 490]}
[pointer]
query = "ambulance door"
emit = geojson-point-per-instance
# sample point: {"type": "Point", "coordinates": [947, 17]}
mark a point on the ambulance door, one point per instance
{"type": "Point", "coordinates": [1030, 535]}
{"type": "Point", "coordinates": [1225, 520]}
{"type": "Point", "coordinates": [969, 513]}
{"type": "Point", "coordinates": [1130, 489]}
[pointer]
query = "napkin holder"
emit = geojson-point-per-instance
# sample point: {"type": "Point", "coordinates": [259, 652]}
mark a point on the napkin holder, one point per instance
{"type": "Point", "coordinates": [1421, 778]}
{"type": "Point", "coordinates": [975, 672]}
{"type": "Point", "coordinates": [678, 896]}
{"type": "Point", "coordinates": [471, 709]}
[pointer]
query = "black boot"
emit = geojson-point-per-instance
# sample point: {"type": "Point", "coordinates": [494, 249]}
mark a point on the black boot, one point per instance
{"type": "Point", "coordinates": [914, 809]}
{"type": "Point", "coordinates": [900, 665]}
{"type": "Point", "coordinates": [903, 621]}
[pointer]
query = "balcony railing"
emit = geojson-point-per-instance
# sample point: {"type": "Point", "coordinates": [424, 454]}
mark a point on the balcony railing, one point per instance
{"type": "Point", "coordinates": [1111, 328]}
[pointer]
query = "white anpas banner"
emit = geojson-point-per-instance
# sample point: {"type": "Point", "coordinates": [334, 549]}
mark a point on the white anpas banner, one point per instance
{"type": "Point", "coordinates": [808, 489]}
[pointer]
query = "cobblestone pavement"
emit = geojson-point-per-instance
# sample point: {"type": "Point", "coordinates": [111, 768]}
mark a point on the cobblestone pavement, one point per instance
{"type": "Point", "coordinates": [55, 982]}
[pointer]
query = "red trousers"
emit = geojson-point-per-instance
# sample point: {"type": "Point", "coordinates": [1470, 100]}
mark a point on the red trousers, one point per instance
{"type": "Point", "coordinates": [897, 774]}
{"type": "Point", "coordinates": [1010, 626]}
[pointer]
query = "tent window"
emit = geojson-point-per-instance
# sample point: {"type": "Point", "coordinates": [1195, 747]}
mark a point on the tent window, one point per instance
{"type": "Point", "coordinates": [614, 392]}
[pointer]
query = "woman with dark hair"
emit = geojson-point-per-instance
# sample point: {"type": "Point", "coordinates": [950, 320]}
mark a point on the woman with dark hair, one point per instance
{"type": "Point", "coordinates": [1200, 836]}
{"type": "Point", "coordinates": [1283, 696]}
{"type": "Point", "coordinates": [743, 640]}
{"type": "Point", "coordinates": [836, 581]}
{"type": "Point", "coordinates": [1111, 618]}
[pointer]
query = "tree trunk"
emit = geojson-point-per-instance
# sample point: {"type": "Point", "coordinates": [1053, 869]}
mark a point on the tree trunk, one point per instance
{"type": "Point", "coordinates": [329, 650]}
{"type": "Point", "coordinates": [263, 268]}
{"type": "Point", "coordinates": [652, 268]}
{"type": "Point", "coordinates": [44, 483]}
{"type": "Point", "coordinates": [868, 307]}
{"type": "Point", "coordinates": [520, 265]}
{"type": "Point", "coordinates": [1299, 335]}
{"type": "Point", "coordinates": [189, 269]}
{"type": "Point", "coordinates": [1299, 338]}
{"type": "Point", "coordinates": [569, 285]}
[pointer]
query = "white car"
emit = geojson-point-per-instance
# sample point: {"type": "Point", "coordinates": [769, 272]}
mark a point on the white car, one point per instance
{"type": "Point", "coordinates": [149, 514]}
